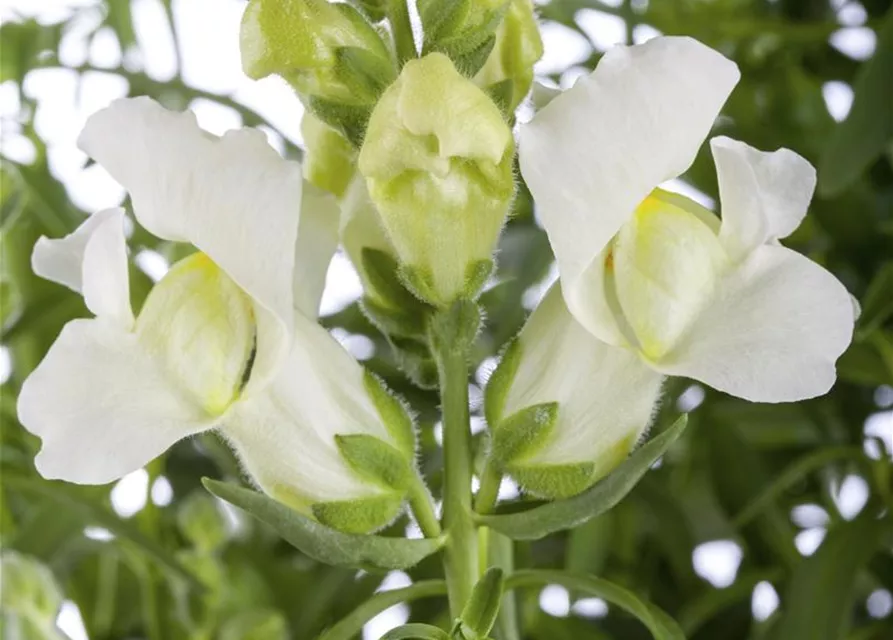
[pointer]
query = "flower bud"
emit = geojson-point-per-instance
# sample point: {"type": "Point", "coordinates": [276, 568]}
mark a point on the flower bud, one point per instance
{"type": "Point", "coordinates": [437, 159]}
{"type": "Point", "coordinates": [563, 408]}
{"type": "Point", "coordinates": [662, 267]}
{"type": "Point", "coordinates": [325, 50]}
{"type": "Point", "coordinates": [508, 72]}
{"type": "Point", "coordinates": [329, 159]}
{"type": "Point", "coordinates": [29, 587]}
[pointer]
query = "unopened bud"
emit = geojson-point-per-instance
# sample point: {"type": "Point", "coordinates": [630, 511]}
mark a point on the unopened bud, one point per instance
{"type": "Point", "coordinates": [437, 159]}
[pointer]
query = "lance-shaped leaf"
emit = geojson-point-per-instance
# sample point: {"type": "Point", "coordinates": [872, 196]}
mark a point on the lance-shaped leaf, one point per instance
{"type": "Point", "coordinates": [822, 588]}
{"type": "Point", "coordinates": [480, 611]}
{"type": "Point", "coordinates": [416, 631]}
{"type": "Point", "coordinates": [571, 512]}
{"type": "Point", "coordinates": [322, 543]}
{"type": "Point", "coordinates": [661, 625]}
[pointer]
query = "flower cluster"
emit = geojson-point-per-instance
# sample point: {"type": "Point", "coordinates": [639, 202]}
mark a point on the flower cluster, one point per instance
{"type": "Point", "coordinates": [410, 167]}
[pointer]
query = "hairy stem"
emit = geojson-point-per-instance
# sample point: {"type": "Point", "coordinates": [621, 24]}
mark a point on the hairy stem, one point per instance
{"type": "Point", "coordinates": [461, 552]}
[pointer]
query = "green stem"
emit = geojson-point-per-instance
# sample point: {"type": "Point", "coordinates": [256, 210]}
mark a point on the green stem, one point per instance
{"type": "Point", "coordinates": [461, 552]}
{"type": "Point", "coordinates": [422, 508]}
{"type": "Point", "coordinates": [398, 15]}
{"type": "Point", "coordinates": [501, 553]}
{"type": "Point", "coordinates": [487, 495]}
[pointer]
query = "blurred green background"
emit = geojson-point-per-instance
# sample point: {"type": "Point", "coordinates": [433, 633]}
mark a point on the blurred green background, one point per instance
{"type": "Point", "coordinates": [765, 521]}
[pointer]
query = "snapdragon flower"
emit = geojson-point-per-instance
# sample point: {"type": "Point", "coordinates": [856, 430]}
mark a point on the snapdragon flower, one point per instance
{"type": "Point", "coordinates": [226, 339]}
{"type": "Point", "coordinates": [719, 301]}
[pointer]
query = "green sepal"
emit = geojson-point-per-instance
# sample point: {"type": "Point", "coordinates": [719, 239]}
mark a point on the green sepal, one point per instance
{"type": "Point", "coordinates": [482, 607]}
{"type": "Point", "coordinates": [470, 62]}
{"type": "Point", "coordinates": [455, 328]}
{"type": "Point", "coordinates": [384, 277]}
{"type": "Point", "coordinates": [359, 516]}
{"type": "Point", "coordinates": [395, 322]}
{"type": "Point", "coordinates": [420, 282]}
{"type": "Point", "coordinates": [541, 521]}
{"type": "Point", "coordinates": [348, 120]}
{"type": "Point", "coordinates": [323, 543]}
{"type": "Point", "coordinates": [366, 73]}
{"type": "Point", "coordinates": [523, 432]}
{"type": "Point", "coordinates": [374, 9]}
{"type": "Point", "coordinates": [476, 276]}
{"type": "Point", "coordinates": [500, 382]}
{"type": "Point", "coordinates": [415, 360]}
{"type": "Point", "coordinates": [441, 20]}
{"type": "Point", "coordinates": [553, 481]}
{"type": "Point", "coordinates": [377, 461]}
{"type": "Point", "coordinates": [393, 413]}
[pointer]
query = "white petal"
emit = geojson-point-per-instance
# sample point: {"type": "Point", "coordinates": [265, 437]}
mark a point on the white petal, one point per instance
{"type": "Point", "coordinates": [317, 241]}
{"type": "Point", "coordinates": [61, 259]}
{"type": "Point", "coordinates": [106, 281]}
{"type": "Point", "coordinates": [597, 150]}
{"type": "Point", "coordinates": [102, 407]}
{"type": "Point", "coordinates": [233, 197]}
{"type": "Point", "coordinates": [764, 195]}
{"type": "Point", "coordinates": [285, 434]}
{"type": "Point", "coordinates": [606, 394]}
{"type": "Point", "coordinates": [773, 332]}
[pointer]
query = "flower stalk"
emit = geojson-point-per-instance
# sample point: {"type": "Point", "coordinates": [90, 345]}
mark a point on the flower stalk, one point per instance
{"type": "Point", "coordinates": [452, 333]}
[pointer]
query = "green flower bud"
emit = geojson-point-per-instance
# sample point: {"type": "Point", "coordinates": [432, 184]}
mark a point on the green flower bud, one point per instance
{"type": "Point", "coordinates": [508, 72]}
{"type": "Point", "coordinates": [325, 50]}
{"type": "Point", "coordinates": [329, 158]}
{"type": "Point", "coordinates": [29, 587]}
{"type": "Point", "coordinates": [201, 521]}
{"type": "Point", "coordinates": [437, 159]}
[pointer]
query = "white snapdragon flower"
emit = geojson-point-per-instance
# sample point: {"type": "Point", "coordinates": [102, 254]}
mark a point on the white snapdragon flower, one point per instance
{"type": "Point", "coordinates": [720, 301]}
{"type": "Point", "coordinates": [228, 338]}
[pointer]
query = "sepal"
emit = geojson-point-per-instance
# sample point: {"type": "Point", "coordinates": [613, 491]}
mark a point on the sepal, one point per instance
{"type": "Point", "coordinates": [376, 461]}
{"type": "Point", "coordinates": [359, 516]}
{"type": "Point", "coordinates": [393, 412]}
{"type": "Point", "coordinates": [523, 432]}
{"type": "Point", "coordinates": [500, 382]}
{"type": "Point", "coordinates": [456, 328]}
{"type": "Point", "coordinates": [323, 543]}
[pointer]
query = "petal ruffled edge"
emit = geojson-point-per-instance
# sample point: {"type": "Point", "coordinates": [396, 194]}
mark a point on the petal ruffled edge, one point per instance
{"type": "Point", "coordinates": [101, 406]}
{"type": "Point", "coordinates": [764, 195]}
{"type": "Point", "coordinates": [772, 333]}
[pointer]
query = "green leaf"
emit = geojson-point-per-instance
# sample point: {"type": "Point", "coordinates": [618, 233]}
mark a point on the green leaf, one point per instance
{"type": "Point", "coordinates": [877, 304]}
{"type": "Point", "coordinates": [661, 625]}
{"type": "Point", "coordinates": [820, 594]}
{"type": "Point", "coordinates": [793, 474]}
{"type": "Point", "coordinates": [416, 631]}
{"type": "Point", "coordinates": [567, 514]}
{"type": "Point", "coordinates": [352, 623]}
{"type": "Point", "coordinates": [69, 498]}
{"type": "Point", "coordinates": [868, 129]}
{"type": "Point", "coordinates": [322, 543]}
{"type": "Point", "coordinates": [481, 609]}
